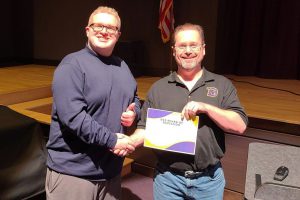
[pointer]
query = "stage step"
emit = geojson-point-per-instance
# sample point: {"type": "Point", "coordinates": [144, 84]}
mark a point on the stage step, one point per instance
{"type": "Point", "coordinates": [126, 167]}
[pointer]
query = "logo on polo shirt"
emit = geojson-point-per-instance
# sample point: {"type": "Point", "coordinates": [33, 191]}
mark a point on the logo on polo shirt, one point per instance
{"type": "Point", "coordinates": [212, 91]}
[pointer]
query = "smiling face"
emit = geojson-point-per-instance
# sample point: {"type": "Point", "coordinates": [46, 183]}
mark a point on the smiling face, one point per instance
{"type": "Point", "coordinates": [101, 37]}
{"type": "Point", "coordinates": [188, 50]}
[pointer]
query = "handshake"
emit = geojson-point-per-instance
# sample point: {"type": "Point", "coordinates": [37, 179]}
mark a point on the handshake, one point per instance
{"type": "Point", "coordinates": [124, 145]}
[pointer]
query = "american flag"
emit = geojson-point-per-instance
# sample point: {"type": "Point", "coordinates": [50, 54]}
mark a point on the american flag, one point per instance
{"type": "Point", "coordinates": [166, 19]}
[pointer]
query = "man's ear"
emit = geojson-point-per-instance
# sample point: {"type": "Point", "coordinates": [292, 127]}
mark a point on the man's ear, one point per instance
{"type": "Point", "coordinates": [87, 31]}
{"type": "Point", "coordinates": [119, 34]}
{"type": "Point", "coordinates": [173, 51]}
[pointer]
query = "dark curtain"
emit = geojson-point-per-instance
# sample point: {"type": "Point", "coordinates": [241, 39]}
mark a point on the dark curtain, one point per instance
{"type": "Point", "coordinates": [259, 38]}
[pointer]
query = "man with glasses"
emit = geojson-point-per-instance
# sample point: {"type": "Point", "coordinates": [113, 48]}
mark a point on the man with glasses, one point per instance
{"type": "Point", "coordinates": [193, 91]}
{"type": "Point", "coordinates": [94, 101]}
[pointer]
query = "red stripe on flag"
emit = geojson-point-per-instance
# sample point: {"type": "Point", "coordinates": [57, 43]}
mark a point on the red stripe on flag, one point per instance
{"type": "Point", "coordinates": [166, 19]}
{"type": "Point", "coordinates": [165, 6]}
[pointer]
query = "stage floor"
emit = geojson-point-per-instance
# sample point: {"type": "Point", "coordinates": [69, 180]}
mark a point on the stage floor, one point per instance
{"type": "Point", "coordinates": [272, 105]}
{"type": "Point", "coordinates": [270, 99]}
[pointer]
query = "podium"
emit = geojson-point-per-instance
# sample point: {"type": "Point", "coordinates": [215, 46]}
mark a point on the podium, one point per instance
{"type": "Point", "coordinates": [263, 161]}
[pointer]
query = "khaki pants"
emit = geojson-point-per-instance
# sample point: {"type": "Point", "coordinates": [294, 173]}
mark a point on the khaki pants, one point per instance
{"type": "Point", "coordinates": [64, 187]}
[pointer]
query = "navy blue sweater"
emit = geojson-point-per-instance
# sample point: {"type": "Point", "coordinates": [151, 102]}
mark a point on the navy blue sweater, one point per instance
{"type": "Point", "coordinates": [90, 93]}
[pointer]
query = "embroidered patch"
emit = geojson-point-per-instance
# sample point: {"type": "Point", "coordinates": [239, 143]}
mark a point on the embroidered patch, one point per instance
{"type": "Point", "coordinates": [212, 91]}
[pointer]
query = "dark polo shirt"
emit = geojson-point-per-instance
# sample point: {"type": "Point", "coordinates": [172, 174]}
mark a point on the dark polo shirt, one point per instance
{"type": "Point", "coordinates": [169, 93]}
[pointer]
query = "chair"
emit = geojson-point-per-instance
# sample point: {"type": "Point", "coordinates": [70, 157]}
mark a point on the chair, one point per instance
{"type": "Point", "coordinates": [22, 156]}
{"type": "Point", "coordinates": [263, 161]}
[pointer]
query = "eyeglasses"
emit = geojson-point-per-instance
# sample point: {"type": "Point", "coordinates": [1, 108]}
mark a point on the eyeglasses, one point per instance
{"type": "Point", "coordinates": [192, 47]}
{"type": "Point", "coordinates": [100, 27]}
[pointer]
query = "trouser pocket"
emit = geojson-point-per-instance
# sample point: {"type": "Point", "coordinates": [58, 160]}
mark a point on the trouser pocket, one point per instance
{"type": "Point", "coordinates": [52, 180]}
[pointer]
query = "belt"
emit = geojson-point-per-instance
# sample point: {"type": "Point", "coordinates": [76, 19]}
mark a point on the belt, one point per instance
{"type": "Point", "coordinates": [190, 174]}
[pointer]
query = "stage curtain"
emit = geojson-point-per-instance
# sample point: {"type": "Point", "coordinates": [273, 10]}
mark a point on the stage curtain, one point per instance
{"type": "Point", "coordinates": [22, 156]}
{"type": "Point", "coordinates": [259, 38]}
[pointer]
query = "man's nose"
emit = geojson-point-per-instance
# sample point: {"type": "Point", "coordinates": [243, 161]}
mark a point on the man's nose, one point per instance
{"type": "Point", "coordinates": [188, 51]}
{"type": "Point", "coordinates": [187, 48]}
{"type": "Point", "coordinates": [104, 30]}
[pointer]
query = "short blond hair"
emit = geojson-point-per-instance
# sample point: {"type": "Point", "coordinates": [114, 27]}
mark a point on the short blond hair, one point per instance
{"type": "Point", "coordinates": [188, 26]}
{"type": "Point", "coordinates": [108, 10]}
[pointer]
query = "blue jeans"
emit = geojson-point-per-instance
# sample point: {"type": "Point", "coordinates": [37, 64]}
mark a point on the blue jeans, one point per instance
{"type": "Point", "coordinates": [174, 187]}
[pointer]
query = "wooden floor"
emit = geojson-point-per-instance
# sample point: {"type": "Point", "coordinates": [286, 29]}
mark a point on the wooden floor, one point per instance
{"type": "Point", "coordinates": [259, 101]}
{"type": "Point", "coordinates": [273, 104]}
{"type": "Point", "coordinates": [25, 83]}
{"type": "Point", "coordinates": [18, 78]}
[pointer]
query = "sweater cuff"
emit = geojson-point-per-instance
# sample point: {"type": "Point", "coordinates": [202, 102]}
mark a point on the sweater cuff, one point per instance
{"type": "Point", "coordinates": [111, 143]}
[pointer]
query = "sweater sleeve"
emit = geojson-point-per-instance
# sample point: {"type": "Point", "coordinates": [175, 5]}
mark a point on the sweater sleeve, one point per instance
{"type": "Point", "coordinates": [68, 88]}
{"type": "Point", "coordinates": [137, 107]}
{"type": "Point", "coordinates": [147, 104]}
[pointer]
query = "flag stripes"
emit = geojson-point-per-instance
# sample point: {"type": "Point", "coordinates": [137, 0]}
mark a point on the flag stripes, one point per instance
{"type": "Point", "coordinates": [166, 19]}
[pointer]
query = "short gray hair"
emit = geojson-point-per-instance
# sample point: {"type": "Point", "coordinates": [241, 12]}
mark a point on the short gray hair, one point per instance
{"type": "Point", "coordinates": [188, 26]}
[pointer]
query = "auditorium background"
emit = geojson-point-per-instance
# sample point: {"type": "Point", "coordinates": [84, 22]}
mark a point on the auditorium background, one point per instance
{"type": "Point", "coordinates": [247, 37]}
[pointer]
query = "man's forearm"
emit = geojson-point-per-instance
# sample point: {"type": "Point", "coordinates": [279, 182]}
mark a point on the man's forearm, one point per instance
{"type": "Point", "coordinates": [138, 137]}
{"type": "Point", "coordinates": [229, 121]}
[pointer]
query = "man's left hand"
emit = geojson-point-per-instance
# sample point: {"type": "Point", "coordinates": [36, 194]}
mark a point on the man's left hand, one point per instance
{"type": "Point", "coordinates": [128, 117]}
{"type": "Point", "coordinates": [192, 108]}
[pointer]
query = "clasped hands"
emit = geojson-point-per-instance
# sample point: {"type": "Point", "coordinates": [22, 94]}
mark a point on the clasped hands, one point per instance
{"type": "Point", "coordinates": [125, 145]}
